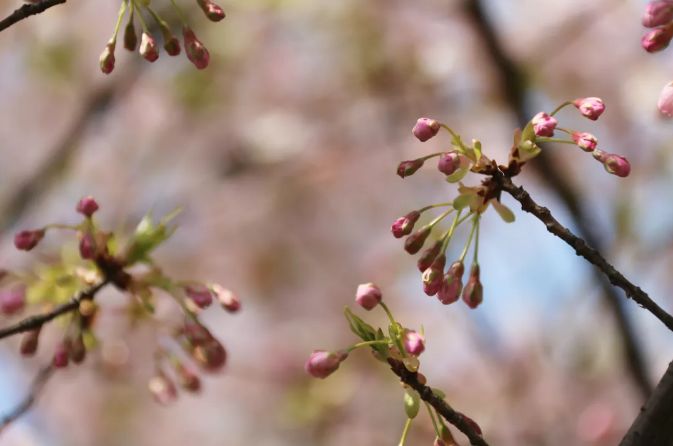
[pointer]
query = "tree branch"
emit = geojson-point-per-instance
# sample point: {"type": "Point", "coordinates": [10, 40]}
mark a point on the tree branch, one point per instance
{"type": "Point", "coordinates": [34, 322]}
{"type": "Point", "coordinates": [26, 11]}
{"type": "Point", "coordinates": [35, 388]}
{"type": "Point", "coordinates": [654, 424]}
{"type": "Point", "coordinates": [582, 248]}
{"type": "Point", "coordinates": [455, 418]}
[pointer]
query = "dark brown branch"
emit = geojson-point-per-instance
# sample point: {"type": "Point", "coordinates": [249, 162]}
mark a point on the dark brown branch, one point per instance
{"type": "Point", "coordinates": [582, 248]}
{"type": "Point", "coordinates": [36, 387]}
{"type": "Point", "coordinates": [26, 11]}
{"type": "Point", "coordinates": [654, 424]}
{"type": "Point", "coordinates": [449, 414]}
{"type": "Point", "coordinates": [34, 322]}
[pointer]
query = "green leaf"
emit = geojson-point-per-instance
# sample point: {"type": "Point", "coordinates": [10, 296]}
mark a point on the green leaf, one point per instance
{"type": "Point", "coordinates": [148, 236]}
{"type": "Point", "coordinates": [412, 403]}
{"type": "Point", "coordinates": [438, 393]}
{"type": "Point", "coordinates": [503, 211]}
{"type": "Point", "coordinates": [477, 149]}
{"type": "Point", "coordinates": [528, 133]}
{"type": "Point", "coordinates": [457, 175]}
{"type": "Point", "coordinates": [462, 201]}
{"type": "Point", "coordinates": [359, 327]}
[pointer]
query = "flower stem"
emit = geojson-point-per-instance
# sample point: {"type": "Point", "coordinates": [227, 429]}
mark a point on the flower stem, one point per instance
{"type": "Point", "coordinates": [367, 344]}
{"type": "Point", "coordinates": [405, 432]}
{"type": "Point", "coordinates": [557, 109]}
{"type": "Point", "coordinates": [469, 238]}
{"type": "Point", "coordinates": [434, 421]}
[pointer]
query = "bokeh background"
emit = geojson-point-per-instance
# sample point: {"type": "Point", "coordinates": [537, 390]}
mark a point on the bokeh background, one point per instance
{"type": "Point", "coordinates": [283, 155]}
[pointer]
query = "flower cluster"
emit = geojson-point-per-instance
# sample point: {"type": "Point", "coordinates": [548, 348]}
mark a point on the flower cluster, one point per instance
{"type": "Point", "coordinates": [443, 279]}
{"type": "Point", "coordinates": [101, 260]}
{"type": "Point", "coordinates": [148, 47]}
{"type": "Point", "coordinates": [401, 344]}
{"type": "Point", "coordinates": [658, 15]}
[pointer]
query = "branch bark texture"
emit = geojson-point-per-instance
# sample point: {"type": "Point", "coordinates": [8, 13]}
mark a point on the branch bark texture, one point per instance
{"type": "Point", "coordinates": [26, 11]}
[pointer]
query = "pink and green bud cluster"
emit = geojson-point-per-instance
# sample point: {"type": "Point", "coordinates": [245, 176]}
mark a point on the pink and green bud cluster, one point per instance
{"type": "Point", "coordinates": [544, 124]}
{"type": "Point", "coordinates": [591, 107]}
{"type": "Point", "coordinates": [585, 141]}
{"type": "Point", "coordinates": [449, 162]}
{"type": "Point", "coordinates": [368, 295]}
{"type": "Point", "coordinates": [614, 164]}
{"type": "Point", "coordinates": [322, 363]}
{"type": "Point", "coordinates": [425, 129]}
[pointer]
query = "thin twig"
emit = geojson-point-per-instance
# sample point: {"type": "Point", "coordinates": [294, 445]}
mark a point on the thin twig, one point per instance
{"type": "Point", "coordinates": [26, 11]}
{"type": "Point", "coordinates": [447, 412]}
{"type": "Point", "coordinates": [35, 388]}
{"type": "Point", "coordinates": [34, 322]}
{"type": "Point", "coordinates": [582, 248]}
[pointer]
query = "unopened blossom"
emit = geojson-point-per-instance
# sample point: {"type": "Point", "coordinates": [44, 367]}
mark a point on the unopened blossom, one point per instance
{"type": "Point", "coordinates": [227, 298]}
{"type": "Point", "coordinates": [212, 10]}
{"type": "Point", "coordinates": [187, 378]}
{"type": "Point", "coordinates": [432, 276]}
{"type": "Point", "coordinates": [162, 389]}
{"type": "Point", "coordinates": [130, 36]}
{"type": "Point", "coordinates": [172, 46]}
{"type": "Point", "coordinates": [428, 256]}
{"type": "Point", "coordinates": [452, 285]}
{"type": "Point", "coordinates": [473, 293]}
{"type": "Point", "coordinates": [107, 58]}
{"type": "Point", "coordinates": [12, 300]}
{"type": "Point", "coordinates": [322, 363]}
{"type": "Point", "coordinates": [77, 349]}
{"type": "Point", "coordinates": [617, 165]}
{"type": "Point", "coordinates": [27, 240]}
{"type": "Point", "coordinates": [590, 107]}
{"type": "Point", "coordinates": [544, 124]}
{"type": "Point", "coordinates": [210, 355]}
{"type": "Point", "coordinates": [657, 39]}
{"type": "Point", "coordinates": [665, 103]}
{"type": "Point", "coordinates": [415, 241]}
{"type": "Point", "coordinates": [657, 13]}
{"type": "Point", "coordinates": [148, 47]}
{"type": "Point", "coordinates": [448, 163]}
{"type": "Point", "coordinates": [195, 50]}
{"type": "Point", "coordinates": [414, 342]}
{"type": "Point", "coordinates": [200, 295]}
{"type": "Point", "coordinates": [585, 141]}
{"type": "Point", "coordinates": [61, 354]}
{"type": "Point", "coordinates": [425, 128]}
{"type": "Point", "coordinates": [87, 206]}
{"type": "Point", "coordinates": [368, 295]}
{"type": "Point", "coordinates": [29, 342]}
{"type": "Point", "coordinates": [409, 167]}
{"type": "Point", "coordinates": [87, 246]}
{"type": "Point", "coordinates": [404, 225]}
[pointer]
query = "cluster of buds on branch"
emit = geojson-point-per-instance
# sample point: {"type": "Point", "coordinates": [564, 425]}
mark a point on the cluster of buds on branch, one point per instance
{"type": "Point", "coordinates": [68, 289]}
{"type": "Point", "coordinates": [148, 47]}
{"type": "Point", "coordinates": [396, 345]}
{"type": "Point", "coordinates": [446, 280]}
{"type": "Point", "coordinates": [658, 15]}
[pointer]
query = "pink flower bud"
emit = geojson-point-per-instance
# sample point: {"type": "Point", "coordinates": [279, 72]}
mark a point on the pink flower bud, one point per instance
{"type": "Point", "coordinates": [29, 342]}
{"type": "Point", "coordinates": [61, 354]}
{"type": "Point", "coordinates": [130, 37]}
{"type": "Point", "coordinates": [227, 299]}
{"type": "Point", "coordinates": [413, 342]}
{"type": "Point", "coordinates": [368, 295]}
{"type": "Point", "coordinates": [473, 294]}
{"type": "Point", "coordinates": [107, 58]}
{"type": "Point", "coordinates": [172, 46]}
{"type": "Point", "coordinates": [12, 301]}
{"type": "Point", "coordinates": [590, 107]}
{"type": "Point", "coordinates": [657, 13]}
{"type": "Point", "coordinates": [322, 363]}
{"type": "Point", "coordinates": [404, 225]}
{"type": "Point", "coordinates": [473, 424]}
{"type": "Point", "coordinates": [657, 39]}
{"type": "Point", "coordinates": [187, 378]}
{"type": "Point", "coordinates": [428, 256]}
{"type": "Point", "coordinates": [27, 240]}
{"type": "Point", "coordinates": [425, 129]}
{"type": "Point", "coordinates": [543, 124]}
{"type": "Point", "coordinates": [452, 284]}
{"type": "Point", "coordinates": [617, 165]}
{"type": "Point", "coordinates": [448, 163]}
{"type": "Point", "coordinates": [212, 10]}
{"type": "Point", "coordinates": [665, 103]}
{"type": "Point", "coordinates": [148, 47]}
{"type": "Point", "coordinates": [415, 241]}
{"type": "Point", "coordinates": [87, 247]}
{"type": "Point", "coordinates": [407, 168]}
{"type": "Point", "coordinates": [585, 141]}
{"type": "Point", "coordinates": [200, 295]}
{"type": "Point", "coordinates": [210, 355]}
{"type": "Point", "coordinates": [432, 276]}
{"type": "Point", "coordinates": [162, 389]}
{"type": "Point", "coordinates": [196, 52]}
{"type": "Point", "coordinates": [87, 206]}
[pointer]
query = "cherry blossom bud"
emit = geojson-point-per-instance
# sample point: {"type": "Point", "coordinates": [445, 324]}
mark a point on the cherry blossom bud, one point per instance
{"type": "Point", "coordinates": [448, 163]}
{"type": "Point", "coordinates": [12, 301]}
{"type": "Point", "coordinates": [211, 355]}
{"type": "Point", "coordinates": [322, 363]}
{"type": "Point", "coordinates": [617, 165]}
{"type": "Point", "coordinates": [227, 299]}
{"type": "Point", "coordinates": [475, 427]}
{"type": "Point", "coordinates": [148, 47]}
{"type": "Point", "coordinates": [585, 141]}
{"type": "Point", "coordinates": [368, 295]}
{"type": "Point", "coordinates": [438, 442]}
{"type": "Point", "coordinates": [130, 36]}
{"type": "Point", "coordinates": [415, 241]}
{"type": "Point", "coordinates": [452, 285]}
{"type": "Point", "coordinates": [195, 333]}
{"type": "Point", "coordinates": [107, 58]}
{"type": "Point", "coordinates": [428, 256]}
{"type": "Point", "coordinates": [425, 129]}
{"type": "Point", "coordinates": [657, 39]}
{"type": "Point", "coordinates": [27, 240]}
{"type": "Point", "coordinates": [407, 168]}
{"type": "Point", "coordinates": [544, 124]}
{"type": "Point", "coordinates": [404, 225]}
{"type": "Point", "coordinates": [413, 342]}
{"type": "Point", "coordinates": [162, 389]}
{"type": "Point", "coordinates": [447, 436]}
{"type": "Point", "coordinates": [590, 107]}
{"type": "Point", "coordinates": [200, 295]}
{"type": "Point", "coordinates": [187, 378]}
{"type": "Point", "coordinates": [212, 10]}
{"type": "Point", "coordinates": [473, 294]}
{"type": "Point", "coordinates": [77, 349]}
{"type": "Point", "coordinates": [196, 52]}
{"type": "Point", "coordinates": [172, 46]}
{"type": "Point", "coordinates": [432, 276]}
{"type": "Point", "coordinates": [29, 342]}
{"type": "Point", "coordinates": [87, 206]}
{"type": "Point", "coordinates": [61, 354]}
{"type": "Point", "coordinates": [87, 247]}
{"type": "Point", "coordinates": [665, 103]}
{"type": "Point", "coordinates": [657, 13]}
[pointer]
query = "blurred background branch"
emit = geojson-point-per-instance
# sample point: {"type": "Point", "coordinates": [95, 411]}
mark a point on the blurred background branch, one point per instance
{"type": "Point", "coordinates": [27, 10]}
